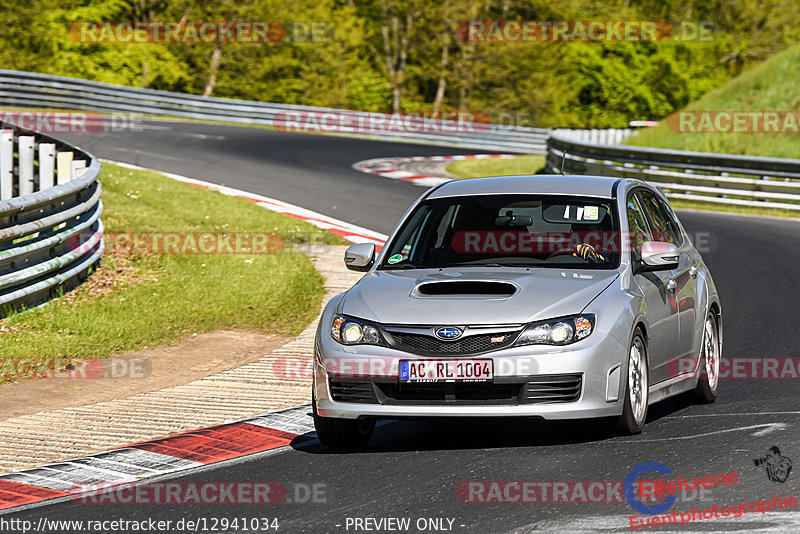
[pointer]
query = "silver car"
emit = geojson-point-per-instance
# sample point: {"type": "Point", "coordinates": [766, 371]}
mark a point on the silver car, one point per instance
{"type": "Point", "coordinates": [558, 297]}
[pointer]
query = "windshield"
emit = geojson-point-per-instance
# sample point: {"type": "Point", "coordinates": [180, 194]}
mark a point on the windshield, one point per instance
{"type": "Point", "coordinates": [508, 230]}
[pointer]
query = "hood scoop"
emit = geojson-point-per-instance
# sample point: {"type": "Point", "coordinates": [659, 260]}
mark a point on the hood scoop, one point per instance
{"type": "Point", "coordinates": [465, 288]}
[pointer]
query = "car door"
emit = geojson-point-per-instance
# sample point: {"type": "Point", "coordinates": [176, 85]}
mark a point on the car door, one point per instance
{"type": "Point", "coordinates": [660, 309]}
{"type": "Point", "coordinates": [684, 290]}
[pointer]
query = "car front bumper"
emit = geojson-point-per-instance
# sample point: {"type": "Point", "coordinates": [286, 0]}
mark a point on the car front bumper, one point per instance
{"type": "Point", "coordinates": [600, 359]}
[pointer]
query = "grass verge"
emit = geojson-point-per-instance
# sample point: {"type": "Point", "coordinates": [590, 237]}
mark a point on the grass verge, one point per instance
{"type": "Point", "coordinates": [138, 298]}
{"type": "Point", "coordinates": [769, 86]}
{"type": "Point", "coordinates": [477, 168]}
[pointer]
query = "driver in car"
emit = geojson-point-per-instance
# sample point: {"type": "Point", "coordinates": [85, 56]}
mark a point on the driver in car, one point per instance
{"type": "Point", "coordinates": [587, 252]}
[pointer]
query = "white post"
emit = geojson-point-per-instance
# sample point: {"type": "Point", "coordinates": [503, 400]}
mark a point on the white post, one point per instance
{"type": "Point", "coordinates": [25, 150]}
{"type": "Point", "coordinates": [78, 168]}
{"type": "Point", "coordinates": [64, 166]}
{"type": "Point", "coordinates": [47, 162]}
{"type": "Point", "coordinates": [6, 164]}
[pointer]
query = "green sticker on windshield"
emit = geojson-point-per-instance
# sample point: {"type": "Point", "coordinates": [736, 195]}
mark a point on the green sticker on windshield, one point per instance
{"type": "Point", "coordinates": [396, 258]}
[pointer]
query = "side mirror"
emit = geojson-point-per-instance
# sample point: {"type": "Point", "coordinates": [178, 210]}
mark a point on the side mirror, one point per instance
{"type": "Point", "coordinates": [360, 257]}
{"type": "Point", "coordinates": [658, 256]}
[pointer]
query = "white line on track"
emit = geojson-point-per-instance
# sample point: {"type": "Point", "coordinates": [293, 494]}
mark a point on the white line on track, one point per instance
{"type": "Point", "coordinates": [766, 428]}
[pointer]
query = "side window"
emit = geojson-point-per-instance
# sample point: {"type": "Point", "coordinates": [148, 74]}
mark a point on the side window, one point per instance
{"type": "Point", "coordinates": [673, 222]}
{"type": "Point", "coordinates": [637, 225]}
{"type": "Point", "coordinates": [664, 227]}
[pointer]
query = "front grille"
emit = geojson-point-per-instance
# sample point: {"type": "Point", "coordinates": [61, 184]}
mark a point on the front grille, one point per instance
{"type": "Point", "coordinates": [353, 391]}
{"type": "Point", "coordinates": [450, 392]}
{"type": "Point", "coordinates": [475, 344]}
{"type": "Point", "coordinates": [537, 389]}
{"type": "Point", "coordinates": [553, 388]}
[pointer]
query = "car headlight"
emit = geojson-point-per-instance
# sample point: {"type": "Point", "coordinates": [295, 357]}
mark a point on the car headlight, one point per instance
{"type": "Point", "coordinates": [557, 331]}
{"type": "Point", "coordinates": [350, 331]}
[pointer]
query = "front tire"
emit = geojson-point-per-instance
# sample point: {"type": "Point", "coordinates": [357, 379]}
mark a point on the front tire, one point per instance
{"type": "Point", "coordinates": [634, 411]}
{"type": "Point", "coordinates": [342, 433]}
{"type": "Point", "coordinates": [710, 353]}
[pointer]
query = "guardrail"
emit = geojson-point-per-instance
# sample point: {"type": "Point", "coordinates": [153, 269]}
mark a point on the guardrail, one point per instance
{"type": "Point", "coordinates": [51, 236]}
{"type": "Point", "coordinates": [715, 178]}
{"type": "Point", "coordinates": [699, 176]}
{"type": "Point", "coordinates": [28, 89]}
{"type": "Point", "coordinates": [607, 136]}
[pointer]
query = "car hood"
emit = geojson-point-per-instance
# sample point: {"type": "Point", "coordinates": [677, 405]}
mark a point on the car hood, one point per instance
{"type": "Point", "coordinates": [395, 297]}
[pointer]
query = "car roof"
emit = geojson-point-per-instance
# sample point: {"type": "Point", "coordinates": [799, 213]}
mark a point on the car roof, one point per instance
{"type": "Point", "coordinates": [592, 186]}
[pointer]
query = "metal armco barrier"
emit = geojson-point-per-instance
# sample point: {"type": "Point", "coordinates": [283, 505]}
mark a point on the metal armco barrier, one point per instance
{"type": "Point", "coordinates": [27, 89]}
{"type": "Point", "coordinates": [714, 178]}
{"type": "Point", "coordinates": [609, 136]}
{"type": "Point", "coordinates": [700, 176]}
{"type": "Point", "coordinates": [51, 236]}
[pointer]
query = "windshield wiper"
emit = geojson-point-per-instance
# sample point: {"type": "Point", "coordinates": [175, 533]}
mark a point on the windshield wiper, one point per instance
{"type": "Point", "coordinates": [469, 264]}
{"type": "Point", "coordinates": [473, 264]}
{"type": "Point", "coordinates": [403, 265]}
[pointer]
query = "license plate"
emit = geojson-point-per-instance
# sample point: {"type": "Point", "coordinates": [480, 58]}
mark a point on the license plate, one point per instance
{"type": "Point", "coordinates": [450, 370]}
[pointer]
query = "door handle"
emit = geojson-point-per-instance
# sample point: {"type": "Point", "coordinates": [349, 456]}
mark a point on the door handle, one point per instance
{"type": "Point", "coordinates": [693, 272]}
{"type": "Point", "coordinates": [672, 286]}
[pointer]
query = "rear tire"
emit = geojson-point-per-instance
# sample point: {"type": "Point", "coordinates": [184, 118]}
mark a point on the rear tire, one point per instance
{"type": "Point", "coordinates": [634, 411]}
{"type": "Point", "coordinates": [710, 354]}
{"type": "Point", "coordinates": [342, 433]}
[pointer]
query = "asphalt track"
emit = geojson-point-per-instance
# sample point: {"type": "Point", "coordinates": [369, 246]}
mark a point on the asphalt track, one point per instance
{"type": "Point", "coordinates": [412, 469]}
